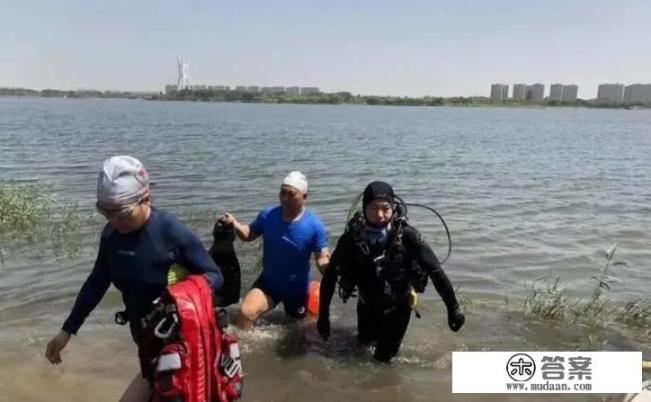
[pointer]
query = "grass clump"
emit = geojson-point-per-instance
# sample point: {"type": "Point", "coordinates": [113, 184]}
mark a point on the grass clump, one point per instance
{"type": "Point", "coordinates": [23, 210]}
{"type": "Point", "coordinates": [600, 308]}
{"type": "Point", "coordinates": [552, 302]}
{"type": "Point", "coordinates": [28, 216]}
{"type": "Point", "coordinates": [637, 314]}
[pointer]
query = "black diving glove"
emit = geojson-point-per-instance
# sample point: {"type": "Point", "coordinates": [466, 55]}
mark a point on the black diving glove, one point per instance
{"type": "Point", "coordinates": [456, 319]}
{"type": "Point", "coordinates": [323, 326]}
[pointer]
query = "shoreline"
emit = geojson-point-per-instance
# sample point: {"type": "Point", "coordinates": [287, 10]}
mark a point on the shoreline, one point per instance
{"type": "Point", "coordinates": [386, 101]}
{"type": "Point", "coordinates": [318, 98]}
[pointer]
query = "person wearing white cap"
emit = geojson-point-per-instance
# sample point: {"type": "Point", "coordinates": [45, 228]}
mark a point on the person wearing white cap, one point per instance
{"type": "Point", "coordinates": [138, 246]}
{"type": "Point", "coordinates": [291, 235]}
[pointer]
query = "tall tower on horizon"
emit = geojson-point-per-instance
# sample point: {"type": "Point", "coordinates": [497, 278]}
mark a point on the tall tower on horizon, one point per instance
{"type": "Point", "coordinates": [183, 76]}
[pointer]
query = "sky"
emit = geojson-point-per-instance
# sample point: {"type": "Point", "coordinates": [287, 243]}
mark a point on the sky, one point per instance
{"type": "Point", "coordinates": [375, 47]}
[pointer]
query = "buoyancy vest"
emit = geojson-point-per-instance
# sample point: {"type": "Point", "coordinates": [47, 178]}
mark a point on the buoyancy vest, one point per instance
{"type": "Point", "coordinates": [198, 362]}
{"type": "Point", "coordinates": [389, 267]}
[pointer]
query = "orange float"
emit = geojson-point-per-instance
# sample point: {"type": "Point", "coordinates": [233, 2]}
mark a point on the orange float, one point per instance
{"type": "Point", "coordinates": [313, 295]}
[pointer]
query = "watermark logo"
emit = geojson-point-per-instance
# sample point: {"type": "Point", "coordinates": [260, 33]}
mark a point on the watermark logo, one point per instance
{"type": "Point", "coordinates": [521, 367]}
{"type": "Point", "coordinates": [547, 372]}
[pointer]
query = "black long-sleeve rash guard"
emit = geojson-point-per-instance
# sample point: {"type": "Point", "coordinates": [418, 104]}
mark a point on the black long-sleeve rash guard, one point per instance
{"type": "Point", "coordinates": [347, 256]}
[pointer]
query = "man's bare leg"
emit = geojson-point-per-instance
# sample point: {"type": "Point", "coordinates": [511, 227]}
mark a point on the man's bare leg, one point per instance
{"type": "Point", "coordinates": [138, 391]}
{"type": "Point", "coordinates": [255, 303]}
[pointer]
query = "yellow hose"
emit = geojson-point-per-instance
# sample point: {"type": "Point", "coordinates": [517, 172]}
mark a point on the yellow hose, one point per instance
{"type": "Point", "coordinates": [176, 273]}
{"type": "Point", "coordinates": [646, 365]}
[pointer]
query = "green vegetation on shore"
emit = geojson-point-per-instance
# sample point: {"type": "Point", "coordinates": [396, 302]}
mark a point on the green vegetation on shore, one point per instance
{"type": "Point", "coordinates": [321, 98]}
{"type": "Point", "coordinates": [23, 208]}
{"type": "Point", "coordinates": [28, 216]}
{"type": "Point", "coordinates": [551, 302]}
{"type": "Point", "coordinates": [89, 93]}
{"type": "Point", "coordinates": [208, 95]}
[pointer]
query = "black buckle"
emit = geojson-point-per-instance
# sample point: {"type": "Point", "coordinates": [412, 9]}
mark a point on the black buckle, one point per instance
{"type": "Point", "coordinates": [121, 318]}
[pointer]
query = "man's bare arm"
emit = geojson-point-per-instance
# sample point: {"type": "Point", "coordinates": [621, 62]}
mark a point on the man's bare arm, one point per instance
{"type": "Point", "coordinates": [322, 259]}
{"type": "Point", "coordinates": [242, 230]}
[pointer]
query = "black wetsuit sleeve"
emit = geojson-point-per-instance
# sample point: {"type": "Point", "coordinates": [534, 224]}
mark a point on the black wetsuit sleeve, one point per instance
{"type": "Point", "coordinates": [425, 257]}
{"type": "Point", "coordinates": [327, 289]}
{"type": "Point", "coordinates": [193, 256]}
{"type": "Point", "coordinates": [331, 274]}
{"type": "Point", "coordinates": [91, 293]}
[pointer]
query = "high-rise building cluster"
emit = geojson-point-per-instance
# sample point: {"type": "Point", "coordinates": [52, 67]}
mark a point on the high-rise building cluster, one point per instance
{"type": "Point", "coordinates": [624, 94]}
{"type": "Point", "coordinates": [617, 94]}
{"type": "Point", "coordinates": [563, 93]}
{"type": "Point", "coordinates": [499, 91]}
{"type": "Point", "coordinates": [534, 92]}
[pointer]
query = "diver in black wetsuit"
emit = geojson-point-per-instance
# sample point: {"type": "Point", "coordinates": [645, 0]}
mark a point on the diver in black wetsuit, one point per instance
{"type": "Point", "coordinates": [386, 260]}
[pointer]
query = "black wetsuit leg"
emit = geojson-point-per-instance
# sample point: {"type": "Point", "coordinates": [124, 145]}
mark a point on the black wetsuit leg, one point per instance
{"type": "Point", "coordinates": [149, 347]}
{"type": "Point", "coordinates": [222, 252]}
{"type": "Point", "coordinates": [367, 318]}
{"type": "Point", "coordinates": [391, 329]}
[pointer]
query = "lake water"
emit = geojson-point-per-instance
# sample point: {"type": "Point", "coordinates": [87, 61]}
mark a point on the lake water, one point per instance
{"type": "Point", "coordinates": [525, 191]}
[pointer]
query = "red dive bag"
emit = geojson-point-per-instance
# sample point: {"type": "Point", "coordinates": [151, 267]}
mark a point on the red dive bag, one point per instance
{"type": "Point", "coordinates": [198, 361]}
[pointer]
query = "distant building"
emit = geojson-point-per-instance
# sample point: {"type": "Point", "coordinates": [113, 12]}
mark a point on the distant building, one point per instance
{"type": "Point", "coordinates": [310, 90]}
{"type": "Point", "coordinates": [183, 66]}
{"type": "Point", "coordinates": [570, 93]}
{"type": "Point", "coordinates": [273, 90]}
{"type": "Point", "coordinates": [563, 93]}
{"type": "Point", "coordinates": [556, 92]}
{"type": "Point", "coordinates": [293, 91]}
{"type": "Point", "coordinates": [519, 92]}
{"type": "Point", "coordinates": [253, 89]}
{"type": "Point", "coordinates": [637, 93]}
{"type": "Point", "coordinates": [499, 92]}
{"type": "Point", "coordinates": [610, 93]}
{"type": "Point", "coordinates": [535, 92]}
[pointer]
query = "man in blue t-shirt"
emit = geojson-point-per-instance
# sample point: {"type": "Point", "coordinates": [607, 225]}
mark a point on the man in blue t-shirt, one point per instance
{"type": "Point", "coordinates": [291, 233]}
